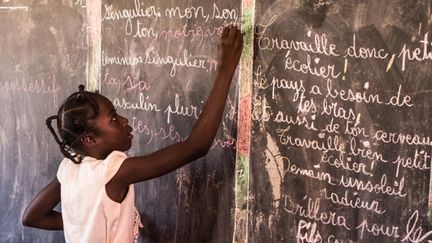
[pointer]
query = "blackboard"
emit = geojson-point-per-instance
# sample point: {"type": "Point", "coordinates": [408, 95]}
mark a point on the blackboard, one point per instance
{"type": "Point", "coordinates": [325, 137]}
{"type": "Point", "coordinates": [50, 48]}
{"type": "Point", "coordinates": [340, 136]}
{"type": "Point", "coordinates": [43, 59]}
{"type": "Point", "coordinates": [158, 64]}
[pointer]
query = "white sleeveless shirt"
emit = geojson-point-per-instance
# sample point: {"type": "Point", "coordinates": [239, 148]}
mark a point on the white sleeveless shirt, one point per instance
{"type": "Point", "coordinates": [89, 215]}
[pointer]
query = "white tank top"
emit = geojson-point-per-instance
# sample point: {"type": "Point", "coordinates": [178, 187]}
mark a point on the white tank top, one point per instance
{"type": "Point", "coordinates": [89, 215]}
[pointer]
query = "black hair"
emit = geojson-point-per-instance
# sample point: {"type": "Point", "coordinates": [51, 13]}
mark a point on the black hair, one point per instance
{"type": "Point", "coordinates": [73, 122]}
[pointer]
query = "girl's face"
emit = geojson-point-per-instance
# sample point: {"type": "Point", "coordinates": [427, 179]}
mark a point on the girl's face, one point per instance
{"type": "Point", "coordinates": [114, 133]}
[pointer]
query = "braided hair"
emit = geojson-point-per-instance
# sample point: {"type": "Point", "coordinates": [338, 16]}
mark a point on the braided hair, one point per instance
{"type": "Point", "coordinates": [73, 122]}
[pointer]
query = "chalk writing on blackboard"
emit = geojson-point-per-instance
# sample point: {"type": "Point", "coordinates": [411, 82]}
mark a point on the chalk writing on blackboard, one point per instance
{"type": "Point", "coordinates": [147, 22]}
{"type": "Point", "coordinates": [158, 60]}
{"type": "Point", "coordinates": [327, 114]}
{"type": "Point", "coordinates": [46, 84]}
{"type": "Point", "coordinates": [11, 8]}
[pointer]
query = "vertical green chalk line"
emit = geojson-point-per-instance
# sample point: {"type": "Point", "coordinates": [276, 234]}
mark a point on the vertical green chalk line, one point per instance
{"type": "Point", "coordinates": [244, 124]}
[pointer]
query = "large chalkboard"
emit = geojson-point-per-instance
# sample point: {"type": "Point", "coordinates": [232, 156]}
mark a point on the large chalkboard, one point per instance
{"type": "Point", "coordinates": [340, 147]}
{"type": "Point", "coordinates": [156, 61]}
{"type": "Point", "coordinates": [43, 59]}
{"type": "Point", "coordinates": [341, 111]}
{"type": "Point", "coordinates": [158, 64]}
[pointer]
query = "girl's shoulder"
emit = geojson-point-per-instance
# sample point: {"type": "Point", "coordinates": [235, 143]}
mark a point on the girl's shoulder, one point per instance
{"type": "Point", "coordinates": [103, 169]}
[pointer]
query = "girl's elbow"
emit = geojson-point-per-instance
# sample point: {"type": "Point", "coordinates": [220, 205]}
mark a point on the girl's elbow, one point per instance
{"type": "Point", "coordinates": [26, 221]}
{"type": "Point", "coordinates": [202, 152]}
{"type": "Point", "coordinates": [199, 151]}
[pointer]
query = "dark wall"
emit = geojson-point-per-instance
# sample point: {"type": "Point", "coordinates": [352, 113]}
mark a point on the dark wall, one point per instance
{"type": "Point", "coordinates": [320, 118]}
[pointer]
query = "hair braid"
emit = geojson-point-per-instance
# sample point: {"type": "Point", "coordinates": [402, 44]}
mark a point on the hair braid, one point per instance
{"type": "Point", "coordinates": [73, 122]}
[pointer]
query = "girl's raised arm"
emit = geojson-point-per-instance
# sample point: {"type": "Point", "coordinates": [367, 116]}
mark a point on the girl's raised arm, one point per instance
{"type": "Point", "coordinates": [198, 143]}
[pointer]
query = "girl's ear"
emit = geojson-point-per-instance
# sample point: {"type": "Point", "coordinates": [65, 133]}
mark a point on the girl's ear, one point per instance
{"type": "Point", "coordinates": [88, 141]}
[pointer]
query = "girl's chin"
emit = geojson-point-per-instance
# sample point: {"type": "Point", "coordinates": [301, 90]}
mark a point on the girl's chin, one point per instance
{"type": "Point", "coordinates": [129, 144]}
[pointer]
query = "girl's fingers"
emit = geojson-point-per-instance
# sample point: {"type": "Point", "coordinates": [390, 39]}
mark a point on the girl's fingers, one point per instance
{"type": "Point", "coordinates": [225, 32]}
{"type": "Point", "coordinates": [233, 35]}
{"type": "Point", "coordinates": [238, 35]}
{"type": "Point", "coordinates": [233, 31]}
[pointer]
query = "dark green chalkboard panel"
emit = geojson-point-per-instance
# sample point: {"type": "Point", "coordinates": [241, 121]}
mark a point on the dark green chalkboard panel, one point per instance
{"type": "Point", "coordinates": [43, 59]}
{"type": "Point", "coordinates": [340, 139]}
{"type": "Point", "coordinates": [341, 147]}
{"type": "Point", "coordinates": [158, 64]}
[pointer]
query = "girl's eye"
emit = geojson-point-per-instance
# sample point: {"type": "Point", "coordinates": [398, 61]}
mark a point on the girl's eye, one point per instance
{"type": "Point", "coordinates": [115, 116]}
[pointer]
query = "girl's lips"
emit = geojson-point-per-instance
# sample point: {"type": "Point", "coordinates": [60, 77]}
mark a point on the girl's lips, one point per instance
{"type": "Point", "coordinates": [130, 136]}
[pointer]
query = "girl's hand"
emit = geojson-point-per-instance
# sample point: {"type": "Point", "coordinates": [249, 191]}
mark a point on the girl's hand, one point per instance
{"type": "Point", "coordinates": [230, 49]}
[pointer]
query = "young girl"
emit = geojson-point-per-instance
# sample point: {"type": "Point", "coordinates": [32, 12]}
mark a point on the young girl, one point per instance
{"type": "Point", "coordinates": [95, 180]}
